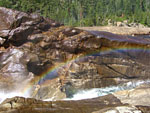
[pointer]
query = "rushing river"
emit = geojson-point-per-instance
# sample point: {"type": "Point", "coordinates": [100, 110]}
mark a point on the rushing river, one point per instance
{"type": "Point", "coordinates": [97, 92]}
{"type": "Point", "coordinates": [82, 94]}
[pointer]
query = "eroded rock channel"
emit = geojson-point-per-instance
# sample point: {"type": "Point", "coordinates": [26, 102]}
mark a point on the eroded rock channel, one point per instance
{"type": "Point", "coordinates": [43, 59]}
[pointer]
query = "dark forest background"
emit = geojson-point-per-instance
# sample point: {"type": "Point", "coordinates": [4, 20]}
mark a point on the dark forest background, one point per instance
{"type": "Point", "coordinates": [86, 12]}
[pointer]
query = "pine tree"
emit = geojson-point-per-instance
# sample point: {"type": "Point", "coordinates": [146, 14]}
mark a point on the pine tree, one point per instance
{"type": "Point", "coordinates": [85, 12]}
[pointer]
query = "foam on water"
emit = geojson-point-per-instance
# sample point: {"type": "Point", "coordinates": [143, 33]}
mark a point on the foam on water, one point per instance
{"type": "Point", "coordinates": [4, 95]}
{"type": "Point", "coordinates": [81, 94]}
{"type": "Point", "coordinates": [50, 99]}
{"type": "Point", "coordinates": [97, 92]}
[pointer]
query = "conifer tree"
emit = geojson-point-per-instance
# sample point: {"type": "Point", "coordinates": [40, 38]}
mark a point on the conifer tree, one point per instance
{"type": "Point", "coordinates": [85, 12]}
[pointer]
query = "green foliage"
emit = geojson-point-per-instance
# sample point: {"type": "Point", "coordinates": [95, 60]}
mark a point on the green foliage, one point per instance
{"type": "Point", "coordinates": [85, 12]}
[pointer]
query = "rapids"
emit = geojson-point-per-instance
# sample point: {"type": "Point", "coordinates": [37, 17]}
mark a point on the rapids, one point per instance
{"type": "Point", "coordinates": [4, 95]}
{"type": "Point", "coordinates": [81, 94]}
{"type": "Point", "coordinates": [97, 92]}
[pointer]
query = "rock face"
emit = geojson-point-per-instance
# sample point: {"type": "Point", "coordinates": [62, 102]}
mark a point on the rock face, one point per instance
{"type": "Point", "coordinates": [120, 30]}
{"type": "Point", "coordinates": [17, 26]}
{"type": "Point", "coordinates": [17, 104]}
{"type": "Point", "coordinates": [106, 104]}
{"type": "Point", "coordinates": [61, 60]}
{"type": "Point", "coordinates": [138, 96]}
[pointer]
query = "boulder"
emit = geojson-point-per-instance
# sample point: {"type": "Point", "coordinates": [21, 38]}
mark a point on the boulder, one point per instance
{"type": "Point", "coordinates": [137, 97]}
{"type": "Point", "coordinates": [17, 26]}
{"type": "Point", "coordinates": [23, 105]}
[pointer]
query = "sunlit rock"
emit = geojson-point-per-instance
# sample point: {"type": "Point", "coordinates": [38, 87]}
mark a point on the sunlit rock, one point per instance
{"type": "Point", "coordinates": [138, 97]}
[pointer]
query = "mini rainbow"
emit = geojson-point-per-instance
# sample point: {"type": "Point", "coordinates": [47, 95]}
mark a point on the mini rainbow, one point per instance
{"type": "Point", "coordinates": [53, 70]}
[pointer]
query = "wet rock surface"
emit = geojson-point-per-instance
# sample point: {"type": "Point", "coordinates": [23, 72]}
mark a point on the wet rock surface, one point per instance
{"type": "Point", "coordinates": [61, 60]}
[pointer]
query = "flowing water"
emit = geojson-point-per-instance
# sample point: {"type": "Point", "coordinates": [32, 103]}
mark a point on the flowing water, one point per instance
{"type": "Point", "coordinates": [81, 94]}
{"type": "Point", "coordinates": [97, 92]}
{"type": "Point", "coordinates": [4, 95]}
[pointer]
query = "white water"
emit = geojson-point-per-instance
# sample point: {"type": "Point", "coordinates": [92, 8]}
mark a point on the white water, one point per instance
{"type": "Point", "coordinates": [97, 92]}
{"type": "Point", "coordinates": [82, 94]}
{"type": "Point", "coordinates": [4, 95]}
{"type": "Point", "coordinates": [18, 90]}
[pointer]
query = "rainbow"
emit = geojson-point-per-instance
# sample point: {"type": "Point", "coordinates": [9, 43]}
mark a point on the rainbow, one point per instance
{"type": "Point", "coordinates": [52, 71]}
